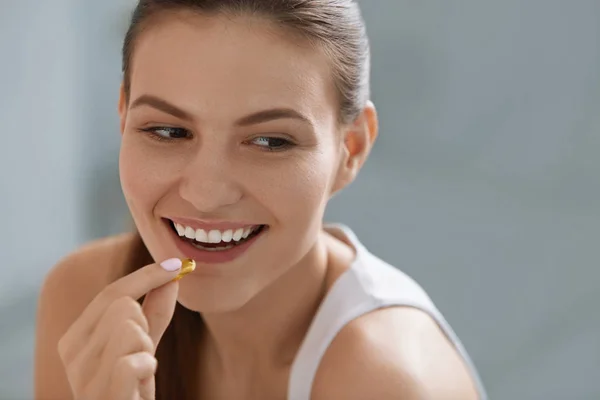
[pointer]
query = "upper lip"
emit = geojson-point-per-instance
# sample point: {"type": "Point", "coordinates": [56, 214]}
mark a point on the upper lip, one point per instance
{"type": "Point", "coordinates": [211, 225]}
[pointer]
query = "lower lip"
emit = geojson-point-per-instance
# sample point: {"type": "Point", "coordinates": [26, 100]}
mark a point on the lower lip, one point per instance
{"type": "Point", "coordinates": [213, 257]}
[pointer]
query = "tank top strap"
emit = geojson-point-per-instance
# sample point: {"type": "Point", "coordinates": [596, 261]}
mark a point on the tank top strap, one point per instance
{"type": "Point", "coordinates": [368, 285]}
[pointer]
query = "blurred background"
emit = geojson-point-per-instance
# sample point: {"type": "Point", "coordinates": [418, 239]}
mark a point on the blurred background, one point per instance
{"type": "Point", "coordinates": [483, 186]}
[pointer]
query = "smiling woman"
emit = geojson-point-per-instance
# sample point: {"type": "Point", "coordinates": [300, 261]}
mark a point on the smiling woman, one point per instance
{"type": "Point", "coordinates": [240, 119]}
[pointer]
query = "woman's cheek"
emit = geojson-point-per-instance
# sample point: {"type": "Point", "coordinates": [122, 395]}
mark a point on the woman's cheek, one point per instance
{"type": "Point", "coordinates": [144, 173]}
{"type": "Point", "coordinates": [302, 187]}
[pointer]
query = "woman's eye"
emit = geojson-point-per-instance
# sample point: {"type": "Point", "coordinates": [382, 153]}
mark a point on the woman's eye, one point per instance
{"type": "Point", "coordinates": [272, 143]}
{"type": "Point", "coordinates": [167, 133]}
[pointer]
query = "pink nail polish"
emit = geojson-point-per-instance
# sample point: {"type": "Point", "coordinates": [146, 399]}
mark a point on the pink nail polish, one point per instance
{"type": "Point", "coordinates": [172, 264]}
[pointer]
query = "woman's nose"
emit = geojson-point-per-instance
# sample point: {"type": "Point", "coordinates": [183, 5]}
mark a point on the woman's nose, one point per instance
{"type": "Point", "coordinates": [208, 183]}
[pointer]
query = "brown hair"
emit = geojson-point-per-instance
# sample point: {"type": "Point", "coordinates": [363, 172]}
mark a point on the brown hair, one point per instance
{"type": "Point", "coordinates": [334, 26]}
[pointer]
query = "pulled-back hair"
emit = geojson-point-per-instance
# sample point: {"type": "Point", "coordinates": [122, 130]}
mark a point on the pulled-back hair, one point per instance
{"type": "Point", "coordinates": [335, 26]}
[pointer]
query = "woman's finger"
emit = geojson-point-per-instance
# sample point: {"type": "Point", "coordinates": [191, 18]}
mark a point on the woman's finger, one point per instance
{"type": "Point", "coordinates": [134, 285]}
{"type": "Point", "coordinates": [158, 308]}
{"type": "Point", "coordinates": [128, 338]}
{"type": "Point", "coordinates": [128, 373]}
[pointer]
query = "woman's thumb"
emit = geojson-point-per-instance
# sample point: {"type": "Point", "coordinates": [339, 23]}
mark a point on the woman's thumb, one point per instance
{"type": "Point", "coordinates": [158, 307]}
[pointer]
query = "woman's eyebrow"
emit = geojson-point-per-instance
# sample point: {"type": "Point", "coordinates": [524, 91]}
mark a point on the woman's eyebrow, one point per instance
{"type": "Point", "coordinates": [162, 105]}
{"type": "Point", "coordinates": [272, 114]}
{"type": "Point", "coordinates": [252, 119]}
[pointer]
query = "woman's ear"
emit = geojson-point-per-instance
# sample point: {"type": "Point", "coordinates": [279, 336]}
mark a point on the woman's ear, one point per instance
{"type": "Point", "coordinates": [358, 140]}
{"type": "Point", "coordinates": [122, 107]}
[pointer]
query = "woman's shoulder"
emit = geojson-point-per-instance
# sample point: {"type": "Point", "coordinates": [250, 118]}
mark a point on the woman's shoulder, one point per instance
{"type": "Point", "coordinates": [403, 354]}
{"type": "Point", "coordinates": [404, 351]}
{"type": "Point", "coordinates": [94, 264]}
{"type": "Point", "coordinates": [78, 277]}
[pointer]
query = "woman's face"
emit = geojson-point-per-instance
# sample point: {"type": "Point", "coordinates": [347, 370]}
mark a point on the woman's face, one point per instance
{"type": "Point", "coordinates": [230, 126]}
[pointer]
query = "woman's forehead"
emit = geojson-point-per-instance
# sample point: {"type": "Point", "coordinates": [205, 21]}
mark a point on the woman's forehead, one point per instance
{"type": "Point", "coordinates": [217, 59]}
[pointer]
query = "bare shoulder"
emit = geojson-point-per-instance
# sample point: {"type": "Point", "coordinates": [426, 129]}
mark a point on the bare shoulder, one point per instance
{"type": "Point", "coordinates": [75, 280]}
{"type": "Point", "coordinates": [90, 267]}
{"type": "Point", "coordinates": [393, 353]}
{"type": "Point", "coordinates": [67, 289]}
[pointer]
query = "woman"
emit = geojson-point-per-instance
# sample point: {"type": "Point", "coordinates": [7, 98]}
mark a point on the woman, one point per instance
{"type": "Point", "coordinates": [240, 119]}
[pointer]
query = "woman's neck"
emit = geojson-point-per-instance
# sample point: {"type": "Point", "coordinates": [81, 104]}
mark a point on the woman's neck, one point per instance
{"type": "Point", "coordinates": [266, 333]}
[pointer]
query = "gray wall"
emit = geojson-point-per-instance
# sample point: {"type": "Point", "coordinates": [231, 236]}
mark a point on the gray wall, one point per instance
{"type": "Point", "coordinates": [483, 185]}
{"type": "Point", "coordinates": [40, 169]}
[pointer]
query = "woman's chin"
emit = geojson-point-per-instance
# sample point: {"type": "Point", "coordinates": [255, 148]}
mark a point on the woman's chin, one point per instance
{"type": "Point", "coordinates": [209, 302]}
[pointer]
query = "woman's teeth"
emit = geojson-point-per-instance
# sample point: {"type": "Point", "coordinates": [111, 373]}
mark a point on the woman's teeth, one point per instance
{"type": "Point", "coordinates": [215, 236]}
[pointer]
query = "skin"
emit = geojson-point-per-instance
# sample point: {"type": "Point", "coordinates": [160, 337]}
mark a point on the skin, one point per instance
{"type": "Point", "coordinates": [216, 72]}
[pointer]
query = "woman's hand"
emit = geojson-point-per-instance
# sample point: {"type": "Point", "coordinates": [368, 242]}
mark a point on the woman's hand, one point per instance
{"type": "Point", "coordinates": [108, 352]}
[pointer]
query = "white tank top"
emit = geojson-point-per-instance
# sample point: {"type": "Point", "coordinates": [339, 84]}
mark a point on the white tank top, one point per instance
{"type": "Point", "coordinates": [369, 284]}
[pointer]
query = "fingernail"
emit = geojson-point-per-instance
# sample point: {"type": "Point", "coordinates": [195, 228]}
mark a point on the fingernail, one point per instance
{"type": "Point", "coordinates": [172, 264]}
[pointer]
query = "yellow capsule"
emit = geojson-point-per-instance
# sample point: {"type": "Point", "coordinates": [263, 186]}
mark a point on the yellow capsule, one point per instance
{"type": "Point", "coordinates": [187, 266]}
